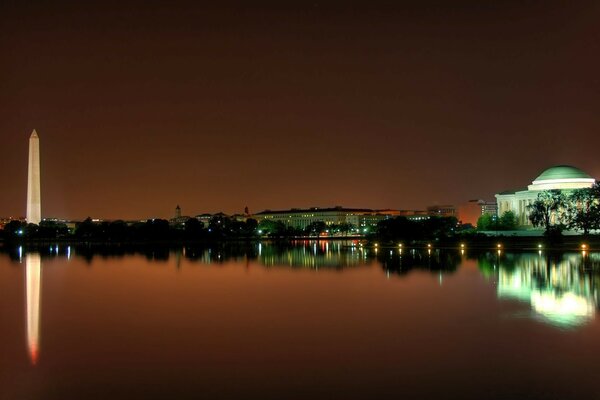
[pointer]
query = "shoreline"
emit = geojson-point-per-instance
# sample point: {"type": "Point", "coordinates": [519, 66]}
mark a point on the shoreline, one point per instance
{"type": "Point", "coordinates": [504, 243]}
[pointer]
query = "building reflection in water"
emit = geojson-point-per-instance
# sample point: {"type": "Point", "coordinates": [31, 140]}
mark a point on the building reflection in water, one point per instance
{"type": "Point", "coordinates": [33, 278]}
{"type": "Point", "coordinates": [304, 254]}
{"type": "Point", "coordinates": [562, 290]}
{"type": "Point", "coordinates": [312, 255]}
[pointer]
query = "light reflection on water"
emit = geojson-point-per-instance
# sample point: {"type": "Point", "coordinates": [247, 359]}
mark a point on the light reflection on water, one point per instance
{"type": "Point", "coordinates": [560, 291]}
{"type": "Point", "coordinates": [33, 272]}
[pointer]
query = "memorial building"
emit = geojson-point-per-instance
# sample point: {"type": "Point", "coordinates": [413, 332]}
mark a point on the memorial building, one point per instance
{"type": "Point", "coordinates": [560, 177]}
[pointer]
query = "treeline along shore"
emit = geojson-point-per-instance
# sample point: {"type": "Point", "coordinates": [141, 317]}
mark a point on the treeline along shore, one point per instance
{"type": "Point", "coordinates": [393, 232]}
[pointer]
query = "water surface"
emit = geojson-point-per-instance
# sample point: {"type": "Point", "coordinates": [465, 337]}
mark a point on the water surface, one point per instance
{"type": "Point", "coordinates": [314, 320]}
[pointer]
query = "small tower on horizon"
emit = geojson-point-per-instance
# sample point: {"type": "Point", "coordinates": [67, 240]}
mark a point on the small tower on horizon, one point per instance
{"type": "Point", "coordinates": [34, 201]}
{"type": "Point", "coordinates": [177, 212]}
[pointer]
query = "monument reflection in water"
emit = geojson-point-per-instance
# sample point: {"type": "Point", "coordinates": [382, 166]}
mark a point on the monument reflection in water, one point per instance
{"type": "Point", "coordinates": [33, 279]}
{"type": "Point", "coordinates": [561, 289]}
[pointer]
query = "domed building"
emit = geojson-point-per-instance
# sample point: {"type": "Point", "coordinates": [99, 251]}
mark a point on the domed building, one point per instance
{"type": "Point", "coordinates": [562, 177]}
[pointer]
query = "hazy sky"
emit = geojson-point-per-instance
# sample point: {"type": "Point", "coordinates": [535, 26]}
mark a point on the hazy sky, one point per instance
{"type": "Point", "coordinates": [141, 106]}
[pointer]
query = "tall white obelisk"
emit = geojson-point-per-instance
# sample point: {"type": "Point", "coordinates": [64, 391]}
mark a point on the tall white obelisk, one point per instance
{"type": "Point", "coordinates": [34, 200]}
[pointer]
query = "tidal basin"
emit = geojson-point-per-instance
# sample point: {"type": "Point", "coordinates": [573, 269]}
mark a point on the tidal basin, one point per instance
{"type": "Point", "coordinates": [306, 320]}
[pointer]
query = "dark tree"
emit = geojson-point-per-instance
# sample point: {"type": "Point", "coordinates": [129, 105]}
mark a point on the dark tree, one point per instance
{"type": "Point", "coordinates": [548, 212]}
{"type": "Point", "coordinates": [315, 228]}
{"type": "Point", "coordinates": [399, 228]}
{"type": "Point", "coordinates": [193, 229]}
{"type": "Point", "coordinates": [250, 227]}
{"type": "Point", "coordinates": [345, 227]}
{"type": "Point", "coordinates": [220, 225]}
{"type": "Point", "coordinates": [485, 222]}
{"type": "Point", "coordinates": [14, 229]}
{"type": "Point", "coordinates": [86, 229]}
{"type": "Point", "coordinates": [116, 231]}
{"type": "Point", "coordinates": [584, 209]}
{"type": "Point", "coordinates": [439, 227]}
{"type": "Point", "coordinates": [508, 221]}
{"type": "Point", "coordinates": [52, 230]}
{"type": "Point", "coordinates": [156, 229]}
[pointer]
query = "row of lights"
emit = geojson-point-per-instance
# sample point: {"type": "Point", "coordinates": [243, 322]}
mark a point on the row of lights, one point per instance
{"type": "Point", "coordinates": [584, 247]}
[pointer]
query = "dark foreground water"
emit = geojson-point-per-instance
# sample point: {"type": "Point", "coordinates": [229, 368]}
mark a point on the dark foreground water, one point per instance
{"type": "Point", "coordinates": [318, 320]}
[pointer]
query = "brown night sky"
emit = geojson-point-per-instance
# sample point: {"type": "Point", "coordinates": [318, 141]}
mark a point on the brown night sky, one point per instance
{"type": "Point", "coordinates": [143, 106]}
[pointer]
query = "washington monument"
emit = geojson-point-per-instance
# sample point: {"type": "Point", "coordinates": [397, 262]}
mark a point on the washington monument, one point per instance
{"type": "Point", "coordinates": [34, 200]}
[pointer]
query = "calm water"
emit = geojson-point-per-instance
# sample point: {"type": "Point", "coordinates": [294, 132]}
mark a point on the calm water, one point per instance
{"type": "Point", "coordinates": [317, 320]}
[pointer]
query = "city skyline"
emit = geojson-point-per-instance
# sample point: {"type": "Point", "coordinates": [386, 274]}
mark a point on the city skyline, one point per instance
{"type": "Point", "coordinates": [143, 107]}
{"type": "Point", "coordinates": [34, 214]}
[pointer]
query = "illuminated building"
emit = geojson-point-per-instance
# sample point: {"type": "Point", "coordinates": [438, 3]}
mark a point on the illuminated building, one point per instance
{"type": "Point", "coordinates": [431, 211]}
{"type": "Point", "coordinates": [34, 202]}
{"type": "Point", "coordinates": [414, 215]}
{"type": "Point", "coordinates": [561, 177]}
{"type": "Point", "coordinates": [178, 220]}
{"type": "Point", "coordinates": [301, 218]}
{"type": "Point", "coordinates": [204, 218]}
{"type": "Point", "coordinates": [5, 221]}
{"type": "Point", "coordinates": [441, 211]}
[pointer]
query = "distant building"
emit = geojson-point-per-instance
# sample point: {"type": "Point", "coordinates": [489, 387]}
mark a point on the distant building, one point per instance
{"type": "Point", "coordinates": [178, 219]}
{"type": "Point", "coordinates": [5, 221]}
{"type": "Point", "coordinates": [204, 219]}
{"type": "Point", "coordinates": [414, 215]}
{"type": "Point", "coordinates": [240, 217]}
{"type": "Point", "coordinates": [561, 177]}
{"type": "Point", "coordinates": [441, 211]}
{"type": "Point", "coordinates": [470, 212]}
{"type": "Point", "coordinates": [360, 218]}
